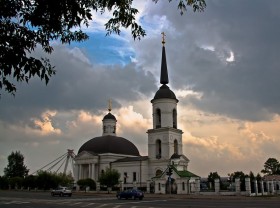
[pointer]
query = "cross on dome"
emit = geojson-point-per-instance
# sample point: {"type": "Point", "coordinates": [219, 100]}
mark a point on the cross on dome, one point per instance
{"type": "Point", "coordinates": [163, 38]}
{"type": "Point", "coordinates": [109, 105]}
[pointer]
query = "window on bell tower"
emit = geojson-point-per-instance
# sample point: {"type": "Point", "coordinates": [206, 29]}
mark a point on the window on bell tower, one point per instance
{"type": "Point", "coordinates": [158, 149]}
{"type": "Point", "coordinates": [174, 118]}
{"type": "Point", "coordinates": [175, 146]}
{"type": "Point", "coordinates": [158, 118]}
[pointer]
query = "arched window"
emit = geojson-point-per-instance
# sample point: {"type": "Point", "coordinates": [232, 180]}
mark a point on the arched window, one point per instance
{"type": "Point", "coordinates": [158, 149]}
{"type": "Point", "coordinates": [175, 146]}
{"type": "Point", "coordinates": [158, 172]}
{"type": "Point", "coordinates": [174, 118]}
{"type": "Point", "coordinates": [158, 118]}
{"type": "Point", "coordinates": [104, 129]}
{"type": "Point", "coordinates": [183, 186]}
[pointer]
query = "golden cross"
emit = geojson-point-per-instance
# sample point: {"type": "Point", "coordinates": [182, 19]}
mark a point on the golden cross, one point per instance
{"type": "Point", "coordinates": [109, 105]}
{"type": "Point", "coordinates": [163, 38]}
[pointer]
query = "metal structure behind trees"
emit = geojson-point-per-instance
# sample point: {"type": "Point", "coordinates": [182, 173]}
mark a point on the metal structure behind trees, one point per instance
{"type": "Point", "coordinates": [59, 162]}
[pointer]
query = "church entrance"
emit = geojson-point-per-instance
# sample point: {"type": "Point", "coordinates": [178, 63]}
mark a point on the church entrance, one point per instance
{"type": "Point", "coordinates": [170, 186]}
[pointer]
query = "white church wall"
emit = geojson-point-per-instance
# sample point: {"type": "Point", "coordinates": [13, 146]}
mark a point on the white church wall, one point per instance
{"type": "Point", "coordinates": [167, 136]}
{"type": "Point", "coordinates": [132, 173]}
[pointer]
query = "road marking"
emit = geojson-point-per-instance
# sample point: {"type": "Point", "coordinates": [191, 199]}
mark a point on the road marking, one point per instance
{"type": "Point", "coordinates": [75, 203]}
{"type": "Point", "coordinates": [17, 202]}
{"type": "Point", "coordinates": [138, 202]}
{"type": "Point", "coordinates": [64, 202]}
{"type": "Point", "coordinates": [102, 205]}
{"type": "Point", "coordinates": [88, 204]}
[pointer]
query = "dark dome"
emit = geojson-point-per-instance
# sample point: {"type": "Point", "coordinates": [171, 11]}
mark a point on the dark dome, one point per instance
{"type": "Point", "coordinates": [165, 92]}
{"type": "Point", "coordinates": [110, 116]}
{"type": "Point", "coordinates": [110, 144]}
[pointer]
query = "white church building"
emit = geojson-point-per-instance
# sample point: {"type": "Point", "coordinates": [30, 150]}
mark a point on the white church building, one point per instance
{"type": "Point", "coordinates": [165, 150]}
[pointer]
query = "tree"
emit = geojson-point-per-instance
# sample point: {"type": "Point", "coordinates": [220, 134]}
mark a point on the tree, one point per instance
{"type": "Point", "coordinates": [271, 167]}
{"type": "Point", "coordinates": [109, 178]}
{"type": "Point", "coordinates": [241, 176]}
{"type": "Point", "coordinates": [211, 178]}
{"type": "Point", "coordinates": [4, 182]}
{"type": "Point", "coordinates": [46, 180]}
{"type": "Point", "coordinates": [83, 183]}
{"type": "Point", "coordinates": [26, 25]}
{"type": "Point", "coordinates": [16, 167]}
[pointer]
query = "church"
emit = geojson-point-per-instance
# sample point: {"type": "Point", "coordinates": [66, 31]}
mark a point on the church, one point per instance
{"type": "Point", "coordinates": [165, 168]}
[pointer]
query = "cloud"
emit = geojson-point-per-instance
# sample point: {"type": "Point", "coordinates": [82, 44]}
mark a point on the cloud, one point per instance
{"type": "Point", "coordinates": [223, 67]}
{"type": "Point", "coordinates": [238, 76]}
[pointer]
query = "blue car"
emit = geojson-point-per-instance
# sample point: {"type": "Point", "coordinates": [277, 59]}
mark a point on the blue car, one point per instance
{"type": "Point", "coordinates": [131, 194]}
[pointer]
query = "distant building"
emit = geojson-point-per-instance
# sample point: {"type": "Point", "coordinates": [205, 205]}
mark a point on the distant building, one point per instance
{"type": "Point", "coordinates": [164, 170]}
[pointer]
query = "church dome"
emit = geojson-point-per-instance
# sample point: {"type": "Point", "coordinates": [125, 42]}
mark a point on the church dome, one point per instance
{"type": "Point", "coordinates": [109, 116]}
{"type": "Point", "coordinates": [165, 92]}
{"type": "Point", "coordinates": [110, 144]}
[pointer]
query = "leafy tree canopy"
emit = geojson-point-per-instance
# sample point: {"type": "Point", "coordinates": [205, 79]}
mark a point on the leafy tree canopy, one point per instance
{"type": "Point", "coordinates": [26, 25]}
{"type": "Point", "coordinates": [110, 177]}
{"type": "Point", "coordinates": [237, 174]}
{"type": "Point", "coordinates": [212, 176]}
{"type": "Point", "coordinates": [87, 182]}
{"type": "Point", "coordinates": [16, 167]}
{"type": "Point", "coordinates": [271, 167]}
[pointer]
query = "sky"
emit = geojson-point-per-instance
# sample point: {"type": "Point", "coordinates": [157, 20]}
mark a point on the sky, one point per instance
{"type": "Point", "coordinates": [223, 66]}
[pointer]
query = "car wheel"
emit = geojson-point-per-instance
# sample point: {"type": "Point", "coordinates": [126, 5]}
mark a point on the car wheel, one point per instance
{"type": "Point", "coordinates": [133, 197]}
{"type": "Point", "coordinates": [70, 195]}
{"type": "Point", "coordinates": [140, 198]}
{"type": "Point", "coordinates": [61, 194]}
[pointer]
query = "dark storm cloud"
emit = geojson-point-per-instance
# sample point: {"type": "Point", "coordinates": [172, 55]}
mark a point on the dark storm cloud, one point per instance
{"type": "Point", "coordinates": [77, 85]}
{"type": "Point", "coordinates": [246, 88]}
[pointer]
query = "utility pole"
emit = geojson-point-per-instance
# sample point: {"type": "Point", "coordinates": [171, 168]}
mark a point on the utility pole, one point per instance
{"type": "Point", "coordinates": [169, 173]}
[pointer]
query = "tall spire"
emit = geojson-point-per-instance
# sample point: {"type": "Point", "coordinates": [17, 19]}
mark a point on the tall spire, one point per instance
{"type": "Point", "coordinates": [164, 73]}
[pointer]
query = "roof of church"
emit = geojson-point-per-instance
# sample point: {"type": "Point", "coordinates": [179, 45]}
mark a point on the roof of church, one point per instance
{"type": "Point", "coordinates": [180, 173]}
{"type": "Point", "coordinates": [110, 144]}
{"type": "Point", "coordinates": [185, 174]}
{"type": "Point", "coordinates": [164, 73]}
{"type": "Point", "coordinates": [131, 159]}
{"type": "Point", "coordinates": [165, 92]}
{"type": "Point", "coordinates": [109, 116]}
{"type": "Point", "coordinates": [176, 156]}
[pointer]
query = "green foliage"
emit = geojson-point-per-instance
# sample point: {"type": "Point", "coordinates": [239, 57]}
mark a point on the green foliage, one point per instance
{"type": "Point", "coordinates": [16, 167]}
{"type": "Point", "coordinates": [4, 182]}
{"type": "Point", "coordinates": [16, 182]}
{"type": "Point", "coordinates": [241, 176]}
{"type": "Point", "coordinates": [110, 177]}
{"type": "Point", "coordinates": [26, 25]}
{"type": "Point", "coordinates": [211, 178]}
{"type": "Point", "coordinates": [197, 5]}
{"type": "Point", "coordinates": [30, 182]}
{"type": "Point", "coordinates": [47, 180]}
{"type": "Point", "coordinates": [83, 183]}
{"type": "Point", "coordinates": [271, 167]}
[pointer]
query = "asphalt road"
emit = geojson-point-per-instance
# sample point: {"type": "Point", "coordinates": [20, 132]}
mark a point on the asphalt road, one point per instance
{"type": "Point", "coordinates": [22, 199]}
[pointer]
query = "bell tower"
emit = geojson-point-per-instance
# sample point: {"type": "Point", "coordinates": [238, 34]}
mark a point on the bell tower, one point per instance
{"type": "Point", "coordinates": [164, 139]}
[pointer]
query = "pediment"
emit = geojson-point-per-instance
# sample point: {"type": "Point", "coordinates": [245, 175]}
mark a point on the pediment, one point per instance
{"type": "Point", "coordinates": [85, 155]}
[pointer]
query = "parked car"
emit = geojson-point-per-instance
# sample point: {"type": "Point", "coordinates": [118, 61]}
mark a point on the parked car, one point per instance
{"type": "Point", "coordinates": [61, 191]}
{"type": "Point", "coordinates": [131, 194]}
